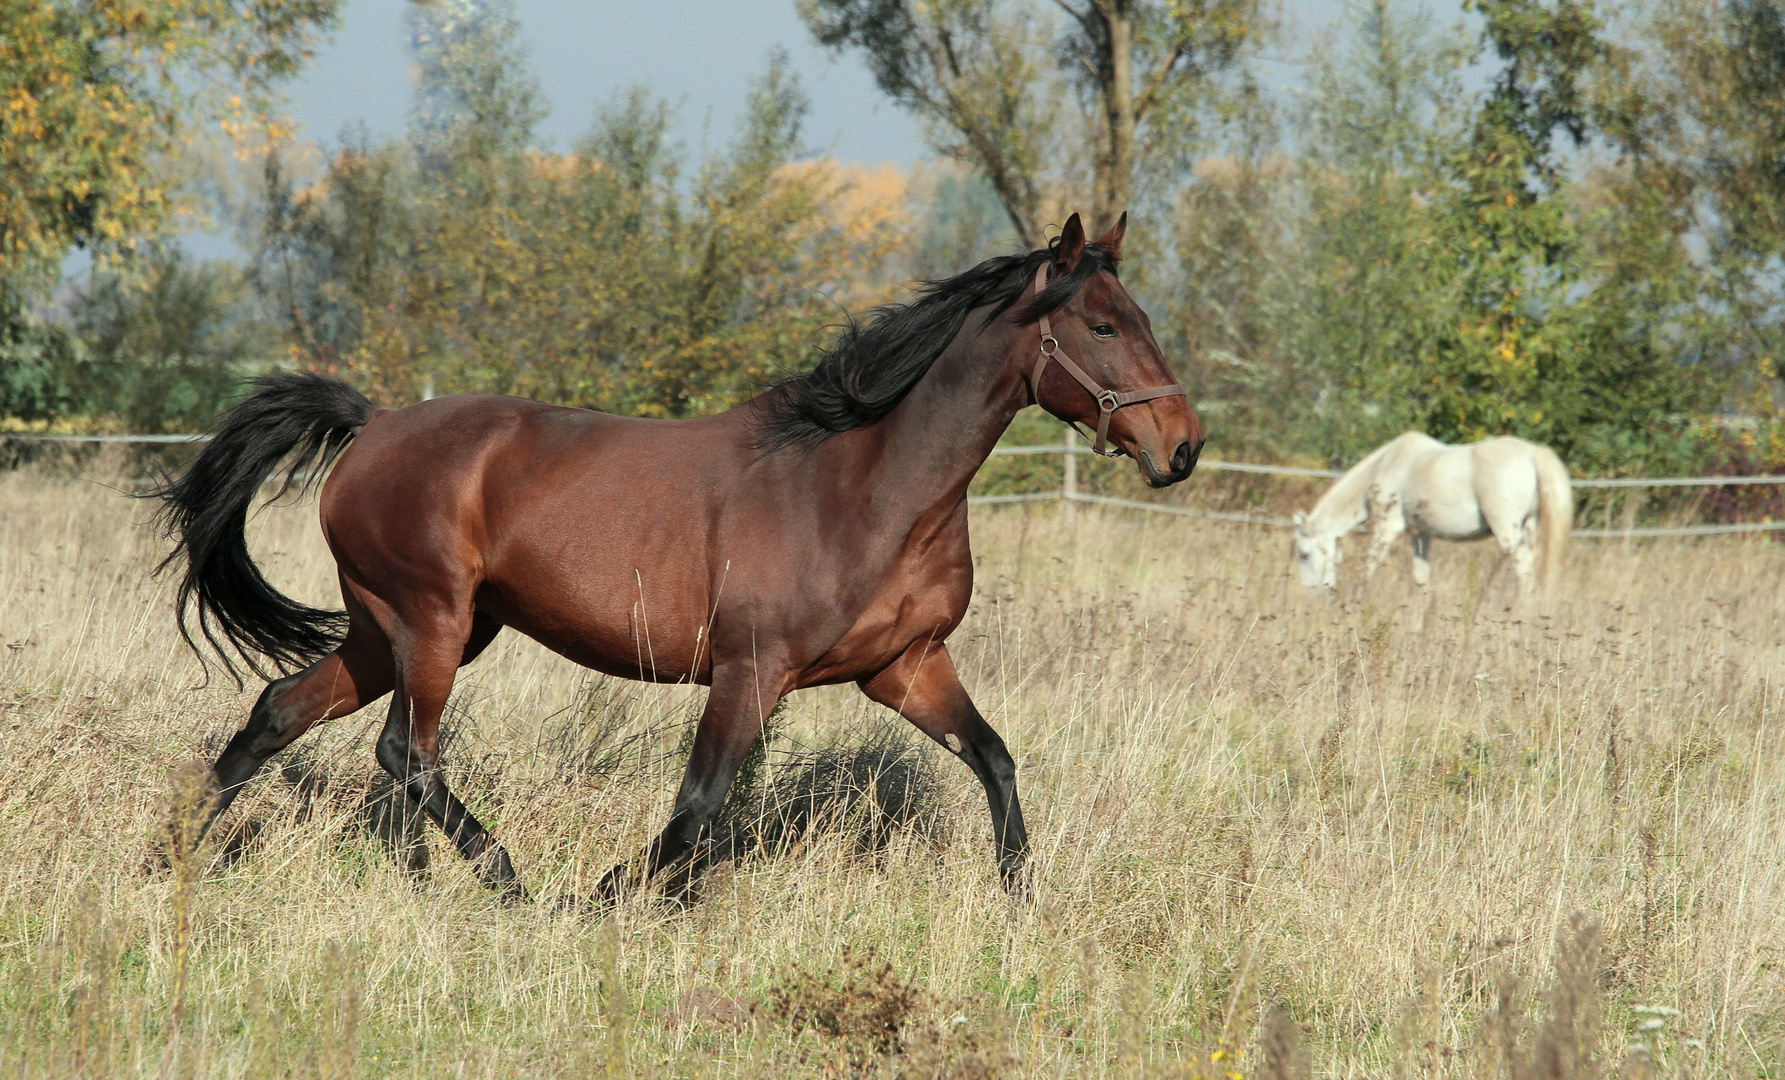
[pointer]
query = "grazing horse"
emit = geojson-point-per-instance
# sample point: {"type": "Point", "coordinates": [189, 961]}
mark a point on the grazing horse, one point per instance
{"type": "Point", "coordinates": [1514, 490]}
{"type": "Point", "coordinates": [816, 534]}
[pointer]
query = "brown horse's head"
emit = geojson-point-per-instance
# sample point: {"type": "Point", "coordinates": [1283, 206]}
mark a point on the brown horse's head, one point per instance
{"type": "Point", "coordinates": [1106, 334]}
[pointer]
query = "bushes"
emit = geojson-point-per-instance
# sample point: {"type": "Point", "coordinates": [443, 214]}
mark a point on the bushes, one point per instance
{"type": "Point", "coordinates": [159, 344]}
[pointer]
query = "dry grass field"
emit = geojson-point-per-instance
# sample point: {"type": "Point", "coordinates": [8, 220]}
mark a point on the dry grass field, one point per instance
{"type": "Point", "coordinates": [1274, 834]}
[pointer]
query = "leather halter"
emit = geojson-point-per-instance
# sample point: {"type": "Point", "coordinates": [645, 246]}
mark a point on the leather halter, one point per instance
{"type": "Point", "coordinates": [1108, 401]}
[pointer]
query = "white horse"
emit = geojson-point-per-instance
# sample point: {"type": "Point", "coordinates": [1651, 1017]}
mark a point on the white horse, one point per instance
{"type": "Point", "coordinates": [1514, 490]}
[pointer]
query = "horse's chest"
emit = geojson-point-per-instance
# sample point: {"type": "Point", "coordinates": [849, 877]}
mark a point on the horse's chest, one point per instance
{"type": "Point", "coordinates": [923, 593]}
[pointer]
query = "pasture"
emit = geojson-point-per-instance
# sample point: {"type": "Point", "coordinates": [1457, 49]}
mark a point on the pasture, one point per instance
{"type": "Point", "coordinates": [1370, 818]}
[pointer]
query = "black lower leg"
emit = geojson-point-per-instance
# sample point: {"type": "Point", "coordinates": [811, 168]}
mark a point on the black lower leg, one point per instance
{"type": "Point", "coordinates": [728, 726]}
{"type": "Point", "coordinates": [424, 783]}
{"type": "Point", "coordinates": [269, 730]}
{"type": "Point", "coordinates": [991, 762]}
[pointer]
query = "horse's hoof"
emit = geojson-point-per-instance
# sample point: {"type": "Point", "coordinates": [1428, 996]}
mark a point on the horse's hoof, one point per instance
{"type": "Point", "coordinates": [581, 907]}
{"type": "Point", "coordinates": [510, 893]}
{"type": "Point", "coordinates": [1018, 883]}
{"type": "Point", "coordinates": [615, 886]}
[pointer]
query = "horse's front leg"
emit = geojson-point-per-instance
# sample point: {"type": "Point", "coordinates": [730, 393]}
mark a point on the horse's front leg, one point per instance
{"type": "Point", "coordinates": [742, 696]}
{"type": "Point", "coordinates": [923, 687]}
{"type": "Point", "coordinates": [1389, 524]}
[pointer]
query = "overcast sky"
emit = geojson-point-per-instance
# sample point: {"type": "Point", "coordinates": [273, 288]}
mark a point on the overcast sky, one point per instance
{"type": "Point", "coordinates": [701, 53]}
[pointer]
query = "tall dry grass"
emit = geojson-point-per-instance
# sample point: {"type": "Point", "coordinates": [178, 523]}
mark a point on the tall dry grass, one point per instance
{"type": "Point", "coordinates": [1273, 833]}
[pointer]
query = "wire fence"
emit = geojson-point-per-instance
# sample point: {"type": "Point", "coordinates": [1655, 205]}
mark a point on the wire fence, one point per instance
{"type": "Point", "coordinates": [1070, 451]}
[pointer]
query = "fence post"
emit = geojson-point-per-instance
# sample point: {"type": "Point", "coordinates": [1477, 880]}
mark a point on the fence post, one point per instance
{"type": "Point", "coordinates": [1069, 485]}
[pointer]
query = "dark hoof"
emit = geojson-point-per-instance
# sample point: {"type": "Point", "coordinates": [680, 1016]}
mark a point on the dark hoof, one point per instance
{"type": "Point", "coordinates": [155, 862]}
{"type": "Point", "coordinates": [581, 907]}
{"type": "Point", "coordinates": [1018, 882]}
{"type": "Point", "coordinates": [615, 886]}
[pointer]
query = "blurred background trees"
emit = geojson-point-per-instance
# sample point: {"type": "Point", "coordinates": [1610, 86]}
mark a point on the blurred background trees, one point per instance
{"type": "Point", "coordinates": [98, 101]}
{"type": "Point", "coordinates": [1553, 219]}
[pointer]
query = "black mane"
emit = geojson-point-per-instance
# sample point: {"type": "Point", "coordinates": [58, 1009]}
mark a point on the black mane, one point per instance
{"type": "Point", "coordinates": [878, 358]}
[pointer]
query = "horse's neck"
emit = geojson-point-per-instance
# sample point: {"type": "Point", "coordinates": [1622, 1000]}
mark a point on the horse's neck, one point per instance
{"type": "Point", "coordinates": [1345, 504]}
{"type": "Point", "coordinates": [946, 427]}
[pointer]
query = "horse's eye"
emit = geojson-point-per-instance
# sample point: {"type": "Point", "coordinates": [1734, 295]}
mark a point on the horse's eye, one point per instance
{"type": "Point", "coordinates": [1104, 330]}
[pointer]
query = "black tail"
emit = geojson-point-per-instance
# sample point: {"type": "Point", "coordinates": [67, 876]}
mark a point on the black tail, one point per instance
{"type": "Point", "coordinates": [305, 417]}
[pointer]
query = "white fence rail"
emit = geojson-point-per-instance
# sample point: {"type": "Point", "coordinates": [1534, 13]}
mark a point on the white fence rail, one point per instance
{"type": "Point", "coordinates": [1070, 450]}
{"type": "Point", "coordinates": [28, 436]}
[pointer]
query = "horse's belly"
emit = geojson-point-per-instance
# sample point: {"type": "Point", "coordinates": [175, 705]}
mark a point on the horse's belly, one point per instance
{"type": "Point", "coordinates": [625, 625]}
{"type": "Point", "coordinates": [1457, 522]}
{"type": "Point", "coordinates": [879, 637]}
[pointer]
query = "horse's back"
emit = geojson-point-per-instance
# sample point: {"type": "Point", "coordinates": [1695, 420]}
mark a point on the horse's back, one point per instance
{"type": "Point", "coordinates": [558, 521]}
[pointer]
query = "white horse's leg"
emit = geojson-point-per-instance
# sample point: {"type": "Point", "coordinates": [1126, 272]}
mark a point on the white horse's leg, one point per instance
{"type": "Point", "coordinates": [1508, 494]}
{"type": "Point", "coordinates": [1517, 540]}
{"type": "Point", "coordinates": [1389, 523]}
{"type": "Point", "coordinates": [1422, 558]}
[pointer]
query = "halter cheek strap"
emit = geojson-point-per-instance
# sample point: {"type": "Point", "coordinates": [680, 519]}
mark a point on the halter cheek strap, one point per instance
{"type": "Point", "coordinates": [1108, 401]}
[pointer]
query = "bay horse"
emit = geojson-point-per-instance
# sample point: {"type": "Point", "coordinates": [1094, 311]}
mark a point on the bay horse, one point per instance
{"type": "Point", "coordinates": [816, 534]}
{"type": "Point", "coordinates": [1515, 491]}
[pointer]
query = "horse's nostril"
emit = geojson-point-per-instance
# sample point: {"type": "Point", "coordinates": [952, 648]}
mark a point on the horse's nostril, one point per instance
{"type": "Point", "coordinates": [1182, 459]}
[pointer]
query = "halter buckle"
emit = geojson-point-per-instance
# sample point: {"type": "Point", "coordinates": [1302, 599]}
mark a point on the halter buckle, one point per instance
{"type": "Point", "coordinates": [1107, 402]}
{"type": "Point", "coordinates": [1049, 344]}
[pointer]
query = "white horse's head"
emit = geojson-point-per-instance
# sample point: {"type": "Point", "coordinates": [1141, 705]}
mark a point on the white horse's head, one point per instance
{"type": "Point", "coordinates": [1316, 554]}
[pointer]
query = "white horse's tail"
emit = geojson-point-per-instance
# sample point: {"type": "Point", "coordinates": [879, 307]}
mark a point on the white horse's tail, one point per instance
{"type": "Point", "coordinates": [1555, 513]}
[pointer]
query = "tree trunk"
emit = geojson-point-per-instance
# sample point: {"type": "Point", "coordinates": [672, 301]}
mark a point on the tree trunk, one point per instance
{"type": "Point", "coordinates": [1115, 75]}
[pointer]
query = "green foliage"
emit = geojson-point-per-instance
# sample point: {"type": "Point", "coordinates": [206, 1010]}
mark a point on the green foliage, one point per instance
{"type": "Point", "coordinates": [1547, 343]}
{"type": "Point", "coordinates": [98, 98]}
{"type": "Point", "coordinates": [35, 361]}
{"type": "Point", "coordinates": [159, 344]}
{"type": "Point", "coordinates": [97, 92]}
{"type": "Point", "coordinates": [1445, 270]}
{"type": "Point", "coordinates": [167, 348]}
{"type": "Point", "coordinates": [464, 260]}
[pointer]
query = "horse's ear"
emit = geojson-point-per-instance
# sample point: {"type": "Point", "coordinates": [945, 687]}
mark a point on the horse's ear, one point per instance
{"type": "Point", "coordinates": [1111, 241]}
{"type": "Point", "coordinates": [1072, 245]}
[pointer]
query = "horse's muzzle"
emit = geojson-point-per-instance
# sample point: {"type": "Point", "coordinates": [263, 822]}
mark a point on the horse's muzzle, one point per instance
{"type": "Point", "coordinates": [1183, 463]}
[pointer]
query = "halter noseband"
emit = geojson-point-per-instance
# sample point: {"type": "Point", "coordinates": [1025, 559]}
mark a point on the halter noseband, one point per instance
{"type": "Point", "coordinates": [1108, 401]}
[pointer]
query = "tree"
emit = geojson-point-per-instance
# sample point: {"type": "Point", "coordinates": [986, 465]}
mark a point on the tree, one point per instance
{"type": "Point", "coordinates": [1372, 280]}
{"type": "Point", "coordinates": [1559, 317]}
{"type": "Point", "coordinates": [1698, 123]}
{"type": "Point", "coordinates": [465, 259]}
{"type": "Point", "coordinates": [97, 93]}
{"type": "Point", "coordinates": [1430, 260]}
{"type": "Point", "coordinates": [991, 77]}
{"type": "Point", "coordinates": [165, 346]}
{"type": "Point", "coordinates": [97, 97]}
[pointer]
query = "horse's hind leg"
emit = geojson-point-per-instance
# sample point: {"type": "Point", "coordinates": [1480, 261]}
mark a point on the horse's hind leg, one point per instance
{"type": "Point", "coordinates": [1422, 559]}
{"type": "Point", "coordinates": [1516, 533]}
{"type": "Point", "coordinates": [1518, 543]}
{"type": "Point", "coordinates": [357, 672]}
{"type": "Point", "coordinates": [925, 689]}
{"type": "Point", "coordinates": [409, 747]}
